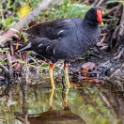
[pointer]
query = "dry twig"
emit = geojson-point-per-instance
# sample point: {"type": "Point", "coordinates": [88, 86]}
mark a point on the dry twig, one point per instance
{"type": "Point", "coordinates": [43, 6]}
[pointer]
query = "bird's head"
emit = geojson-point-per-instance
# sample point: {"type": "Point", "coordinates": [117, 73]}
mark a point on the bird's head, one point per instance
{"type": "Point", "coordinates": [94, 15]}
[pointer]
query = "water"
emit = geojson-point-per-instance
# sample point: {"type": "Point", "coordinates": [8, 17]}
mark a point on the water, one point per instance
{"type": "Point", "coordinates": [84, 107]}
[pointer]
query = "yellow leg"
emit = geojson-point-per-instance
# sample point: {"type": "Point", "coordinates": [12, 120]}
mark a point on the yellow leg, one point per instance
{"type": "Point", "coordinates": [51, 99]}
{"type": "Point", "coordinates": [65, 96]}
{"type": "Point", "coordinates": [66, 76]}
{"type": "Point", "coordinates": [51, 76]}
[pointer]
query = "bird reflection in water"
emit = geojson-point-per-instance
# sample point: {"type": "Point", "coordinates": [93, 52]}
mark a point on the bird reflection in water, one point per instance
{"type": "Point", "coordinates": [64, 116]}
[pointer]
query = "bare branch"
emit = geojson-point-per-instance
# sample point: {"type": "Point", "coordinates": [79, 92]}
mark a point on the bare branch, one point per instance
{"type": "Point", "coordinates": [43, 6]}
{"type": "Point", "coordinates": [4, 68]}
{"type": "Point", "coordinates": [121, 31]}
{"type": "Point", "coordinates": [100, 2]}
{"type": "Point", "coordinates": [110, 11]}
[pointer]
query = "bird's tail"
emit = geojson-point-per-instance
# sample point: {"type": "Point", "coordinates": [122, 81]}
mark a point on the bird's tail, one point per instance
{"type": "Point", "coordinates": [26, 47]}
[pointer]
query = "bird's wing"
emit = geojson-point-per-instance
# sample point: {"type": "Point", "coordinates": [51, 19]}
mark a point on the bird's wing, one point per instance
{"type": "Point", "coordinates": [52, 30]}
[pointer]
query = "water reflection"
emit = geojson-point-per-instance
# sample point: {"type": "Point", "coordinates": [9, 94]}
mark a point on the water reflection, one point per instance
{"type": "Point", "coordinates": [64, 116]}
{"type": "Point", "coordinates": [42, 105]}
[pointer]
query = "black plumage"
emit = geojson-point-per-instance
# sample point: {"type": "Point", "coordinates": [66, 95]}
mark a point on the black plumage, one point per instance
{"type": "Point", "coordinates": [64, 39]}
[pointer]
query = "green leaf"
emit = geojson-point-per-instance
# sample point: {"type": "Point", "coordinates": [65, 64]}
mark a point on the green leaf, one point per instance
{"type": "Point", "coordinates": [8, 21]}
{"type": "Point", "coordinates": [19, 60]}
{"type": "Point", "coordinates": [25, 39]}
{"type": "Point", "coordinates": [88, 53]}
{"type": "Point", "coordinates": [111, 1]}
{"type": "Point", "coordinates": [77, 10]}
{"type": "Point", "coordinates": [3, 50]}
{"type": "Point", "coordinates": [45, 65]}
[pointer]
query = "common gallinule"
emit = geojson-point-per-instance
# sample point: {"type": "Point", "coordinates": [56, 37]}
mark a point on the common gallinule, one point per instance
{"type": "Point", "coordinates": [64, 39]}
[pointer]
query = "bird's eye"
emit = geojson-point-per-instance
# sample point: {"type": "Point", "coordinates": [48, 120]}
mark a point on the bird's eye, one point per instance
{"type": "Point", "coordinates": [94, 12]}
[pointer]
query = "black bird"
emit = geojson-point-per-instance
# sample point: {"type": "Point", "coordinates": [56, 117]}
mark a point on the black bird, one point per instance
{"type": "Point", "coordinates": [64, 39]}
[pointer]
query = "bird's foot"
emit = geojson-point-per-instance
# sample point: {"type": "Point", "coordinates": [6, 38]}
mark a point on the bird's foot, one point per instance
{"type": "Point", "coordinates": [66, 103]}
